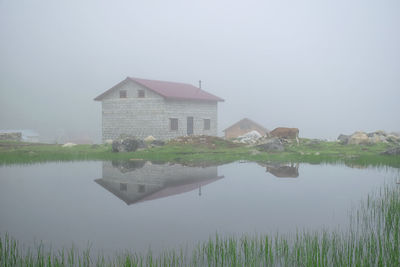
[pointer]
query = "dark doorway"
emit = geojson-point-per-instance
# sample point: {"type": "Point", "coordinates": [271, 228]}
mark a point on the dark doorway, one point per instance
{"type": "Point", "coordinates": [189, 125]}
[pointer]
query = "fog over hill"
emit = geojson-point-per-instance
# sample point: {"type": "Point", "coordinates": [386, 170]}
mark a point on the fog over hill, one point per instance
{"type": "Point", "coordinates": [326, 68]}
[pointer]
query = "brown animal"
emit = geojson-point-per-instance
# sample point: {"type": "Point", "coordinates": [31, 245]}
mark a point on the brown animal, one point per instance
{"type": "Point", "coordinates": [286, 133]}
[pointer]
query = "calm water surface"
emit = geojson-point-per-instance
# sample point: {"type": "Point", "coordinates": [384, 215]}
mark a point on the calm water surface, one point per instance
{"type": "Point", "coordinates": [136, 205]}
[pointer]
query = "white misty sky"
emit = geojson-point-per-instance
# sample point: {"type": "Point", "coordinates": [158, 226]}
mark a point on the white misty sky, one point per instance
{"type": "Point", "coordinates": [326, 67]}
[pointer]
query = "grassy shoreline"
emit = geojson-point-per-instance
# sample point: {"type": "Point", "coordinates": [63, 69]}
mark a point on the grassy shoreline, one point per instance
{"type": "Point", "coordinates": [373, 239]}
{"type": "Point", "coordinates": [192, 154]}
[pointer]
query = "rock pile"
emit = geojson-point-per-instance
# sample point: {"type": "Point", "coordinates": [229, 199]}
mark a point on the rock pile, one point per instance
{"type": "Point", "coordinates": [131, 143]}
{"type": "Point", "coordinates": [268, 142]}
{"type": "Point", "coordinates": [363, 138]}
{"type": "Point", "coordinates": [249, 138]}
{"type": "Point", "coordinates": [128, 144]}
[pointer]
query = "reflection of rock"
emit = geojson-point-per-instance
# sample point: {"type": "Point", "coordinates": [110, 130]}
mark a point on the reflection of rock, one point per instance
{"type": "Point", "coordinates": [127, 166]}
{"type": "Point", "coordinates": [356, 166]}
{"type": "Point", "coordinates": [283, 170]}
{"type": "Point", "coordinates": [153, 181]}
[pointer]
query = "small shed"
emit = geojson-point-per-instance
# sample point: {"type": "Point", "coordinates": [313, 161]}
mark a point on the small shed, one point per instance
{"type": "Point", "coordinates": [242, 127]}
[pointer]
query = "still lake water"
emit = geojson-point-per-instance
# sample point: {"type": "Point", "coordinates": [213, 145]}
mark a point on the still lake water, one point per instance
{"type": "Point", "coordinates": [136, 205]}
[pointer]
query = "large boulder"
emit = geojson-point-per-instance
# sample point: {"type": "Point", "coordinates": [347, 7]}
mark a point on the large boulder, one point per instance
{"type": "Point", "coordinates": [392, 151]}
{"type": "Point", "coordinates": [149, 139]}
{"type": "Point", "coordinates": [128, 144]}
{"type": "Point", "coordinates": [359, 138]}
{"type": "Point", "coordinates": [272, 145]}
{"type": "Point", "coordinates": [286, 133]}
{"type": "Point", "coordinates": [343, 139]}
{"type": "Point", "coordinates": [375, 138]}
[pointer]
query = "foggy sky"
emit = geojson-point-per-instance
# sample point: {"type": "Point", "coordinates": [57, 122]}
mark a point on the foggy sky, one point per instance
{"type": "Point", "coordinates": [326, 67]}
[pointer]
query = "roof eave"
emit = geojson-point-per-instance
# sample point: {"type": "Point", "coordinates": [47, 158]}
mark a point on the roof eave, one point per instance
{"type": "Point", "coordinates": [101, 96]}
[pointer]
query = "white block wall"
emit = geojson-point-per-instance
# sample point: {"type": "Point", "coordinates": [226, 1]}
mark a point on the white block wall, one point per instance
{"type": "Point", "coordinates": [150, 115]}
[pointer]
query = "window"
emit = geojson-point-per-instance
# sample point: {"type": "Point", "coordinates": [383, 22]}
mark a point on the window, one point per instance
{"type": "Point", "coordinates": [123, 187]}
{"type": "Point", "coordinates": [173, 124]}
{"type": "Point", "coordinates": [142, 188]}
{"type": "Point", "coordinates": [140, 94]}
{"type": "Point", "coordinates": [207, 124]}
{"type": "Point", "coordinates": [122, 94]}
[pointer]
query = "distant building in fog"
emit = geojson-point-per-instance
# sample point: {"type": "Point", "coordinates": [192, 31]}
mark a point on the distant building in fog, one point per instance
{"type": "Point", "coordinates": [164, 110]}
{"type": "Point", "coordinates": [25, 135]}
{"type": "Point", "coordinates": [242, 127]}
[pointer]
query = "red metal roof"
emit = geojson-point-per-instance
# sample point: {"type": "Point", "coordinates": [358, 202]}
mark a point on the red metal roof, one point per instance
{"type": "Point", "coordinates": [170, 90]}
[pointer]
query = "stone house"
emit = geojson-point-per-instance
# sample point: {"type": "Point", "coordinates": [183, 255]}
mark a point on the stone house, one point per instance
{"type": "Point", "coordinates": [165, 110]}
{"type": "Point", "coordinates": [242, 127]}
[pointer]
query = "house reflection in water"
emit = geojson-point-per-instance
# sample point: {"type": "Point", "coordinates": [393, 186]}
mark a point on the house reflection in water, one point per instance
{"type": "Point", "coordinates": [282, 170]}
{"type": "Point", "coordinates": [138, 181]}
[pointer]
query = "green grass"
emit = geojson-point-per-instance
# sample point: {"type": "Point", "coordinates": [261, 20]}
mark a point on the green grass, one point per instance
{"type": "Point", "coordinates": [371, 240]}
{"type": "Point", "coordinates": [191, 154]}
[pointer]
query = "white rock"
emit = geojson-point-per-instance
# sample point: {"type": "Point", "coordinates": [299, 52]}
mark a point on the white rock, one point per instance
{"type": "Point", "coordinates": [68, 145]}
{"type": "Point", "coordinates": [249, 138]}
{"type": "Point", "coordinates": [149, 139]}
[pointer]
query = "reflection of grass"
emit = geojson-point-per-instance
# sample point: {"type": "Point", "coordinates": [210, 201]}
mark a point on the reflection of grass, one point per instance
{"type": "Point", "coordinates": [215, 153]}
{"type": "Point", "coordinates": [372, 240]}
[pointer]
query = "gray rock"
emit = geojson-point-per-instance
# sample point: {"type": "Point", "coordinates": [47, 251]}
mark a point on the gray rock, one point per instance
{"type": "Point", "coordinates": [343, 139]}
{"type": "Point", "coordinates": [392, 151]}
{"type": "Point", "coordinates": [128, 144]}
{"type": "Point", "coordinates": [158, 143]}
{"type": "Point", "coordinates": [141, 144]}
{"type": "Point", "coordinates": [393, 139]}
{"type": "Point", "coordinates": [313, 142]}
{"type": "Point", "coordinates": [115, 145]}
{"type": "Point", "coordinates": [272, 145]}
